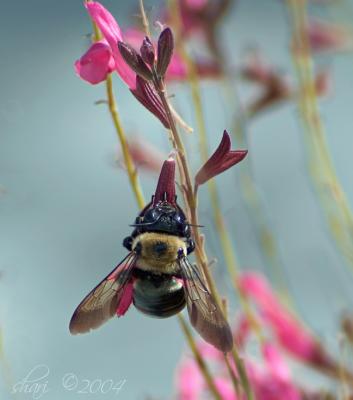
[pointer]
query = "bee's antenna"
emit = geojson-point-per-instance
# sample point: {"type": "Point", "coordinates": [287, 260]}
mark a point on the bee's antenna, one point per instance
{"type": "Point", "coordinates": [197, 226]}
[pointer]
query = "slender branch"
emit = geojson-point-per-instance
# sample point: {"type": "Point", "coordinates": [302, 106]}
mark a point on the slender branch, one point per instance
{"type": "Point", "coordinates": [129, 164]}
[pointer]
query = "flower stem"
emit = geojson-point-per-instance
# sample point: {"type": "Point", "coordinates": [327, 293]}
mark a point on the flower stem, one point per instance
{"type": "Point", "coordinates": [224, 236]}
{"type": "Point", "coordinates": [129, 164]}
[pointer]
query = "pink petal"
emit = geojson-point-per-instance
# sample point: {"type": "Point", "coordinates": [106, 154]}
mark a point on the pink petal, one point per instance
{"type": "Point", "coordinates": [145, 156]}
{"type": "Point", "coordinates": [208, 351]}
{"type": "Point", "coordinates": [112, 33]}
{"type": "Point", "coordinates": [225, 389]}
{"type": "Point", "coordinates": [189, 381]}
{"type": "Point", "coordinates": [275, 362]}
{"type": "Point", "coordinates": [96, 63]}
{"type": "Point", "coordinates": [196, 4]}
{"type": "Point", "coordinates": [134, 38]}
{"type": "Point", "coordinates": [177, 69]}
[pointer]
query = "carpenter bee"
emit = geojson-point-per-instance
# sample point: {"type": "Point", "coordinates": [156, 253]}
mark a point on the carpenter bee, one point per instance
{"type": "Point", "coordinates": [157, 277]}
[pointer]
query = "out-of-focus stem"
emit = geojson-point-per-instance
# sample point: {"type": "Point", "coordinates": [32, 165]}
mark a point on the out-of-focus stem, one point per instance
{"type": "Point", "coordinates": [331, 194]}
{"type": "Point", "coordinates": [200, 361]}
{"type": "Point", "coordinates": [113, 109]}
{"type": "Point", "coordinates": [224, 237]}
{"type": "Point", "coordinates": [129, 164]}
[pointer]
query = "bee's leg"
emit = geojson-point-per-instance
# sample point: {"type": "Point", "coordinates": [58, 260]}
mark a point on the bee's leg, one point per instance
{"type": "Point", "coordinates": [190, 246]}
{"type": "Point", "coordinates": [127, 243]}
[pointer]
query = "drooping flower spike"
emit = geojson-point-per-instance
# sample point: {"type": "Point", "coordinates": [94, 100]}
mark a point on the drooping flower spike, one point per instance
{"type": "Point", "coordinates": [289, 332]}
{"type": "Point", "coordinates": [222, 159]}
{"type": "Point", "coordinates": [328, 37]}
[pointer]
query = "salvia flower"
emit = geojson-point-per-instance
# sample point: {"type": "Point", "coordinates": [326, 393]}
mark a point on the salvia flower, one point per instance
{"type": "Point", "coordinates": [188, 380]}
{"type": "Point", "coordinates": [112, 34]}
{"type": "Point", "coordinates": [289, 332]}
{"type": "Point", "coordinates": [275, 88]}
{"type": "Point", "coordinates": [328, 37]}
{"type": "Point", "coordinates": [221, 160]}
{"type": "Point", "coordinates": [270, 378]}
{"type": "Point", "coordinates": [99, 58]}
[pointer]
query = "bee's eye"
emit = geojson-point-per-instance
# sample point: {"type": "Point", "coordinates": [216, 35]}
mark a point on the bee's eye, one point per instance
{"type": "Point", "coordinates": [138, 248]}
{"type": "Point", "coordinates": [177, 218]}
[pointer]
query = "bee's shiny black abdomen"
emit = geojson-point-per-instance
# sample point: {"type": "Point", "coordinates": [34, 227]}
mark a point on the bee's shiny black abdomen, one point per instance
{"type": "Point", "coordinates": [158, 295]}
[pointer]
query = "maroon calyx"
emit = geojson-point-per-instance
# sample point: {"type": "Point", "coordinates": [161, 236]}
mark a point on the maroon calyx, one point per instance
{"type": "Point", "coordinates": [165, 190]}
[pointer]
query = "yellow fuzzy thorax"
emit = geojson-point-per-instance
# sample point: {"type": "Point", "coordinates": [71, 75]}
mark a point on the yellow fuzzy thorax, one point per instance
{"type": "Point", "coordinates": [149, 259]}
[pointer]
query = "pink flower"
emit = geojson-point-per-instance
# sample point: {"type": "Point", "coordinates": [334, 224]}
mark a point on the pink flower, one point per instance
{"type": "Point", "coordinates": [225, 389]}
{"type": "Point", "coordinates": [208, 351]}
{"type": "Point", "coordinates": [290, 334]}
{"type": "Point", "coordinates": [112, 33]}
{"type": "Point", "coordinates": [275, 362]}
{"type": "Point", "coordinates": [96, 63]}
{"type": "Point", "coordinates": [327, 37]}
{"type": "Point", "coordinates": [222, 159]}
{"type": "Point", "coordinates": [103, 58]}
{"type": "Point", "coordinates": [189, 381]}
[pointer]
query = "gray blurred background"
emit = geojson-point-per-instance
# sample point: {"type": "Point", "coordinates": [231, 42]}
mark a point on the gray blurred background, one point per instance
{"type": "Point", "coordinates": [65, 207]}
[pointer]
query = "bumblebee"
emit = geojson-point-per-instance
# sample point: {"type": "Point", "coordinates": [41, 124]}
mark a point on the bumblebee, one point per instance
{"type": "Point", "coordinates": [157, 277]}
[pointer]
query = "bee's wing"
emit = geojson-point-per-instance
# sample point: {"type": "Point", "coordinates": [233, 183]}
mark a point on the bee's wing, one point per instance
{"type": "Point", "coordinates": [205, 315]}
{"type": "Point", "coordinates": [102, 302]}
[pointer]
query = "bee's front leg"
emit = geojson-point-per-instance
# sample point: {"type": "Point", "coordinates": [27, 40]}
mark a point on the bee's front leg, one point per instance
{"type": "Point", "coordinates": [190, 245]}
{"type": "Point", "coordinates": [127, 243]}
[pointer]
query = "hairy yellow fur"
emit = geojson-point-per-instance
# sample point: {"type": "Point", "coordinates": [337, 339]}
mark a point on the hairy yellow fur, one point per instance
{"type": "Point", "coordinates": [150, 260]}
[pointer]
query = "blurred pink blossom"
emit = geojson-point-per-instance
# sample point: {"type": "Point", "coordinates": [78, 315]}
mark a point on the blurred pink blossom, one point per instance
{"type": "Point", "coordinates": [188, 380]}
{"type": "Point", "coordinates": [328, 37]}
{"type": "Point", "coordinates": [290, 333]}
{"type": "Point", "coordinates": [275, 88]}
{"type": "Point", "coordinates": [144, 155]}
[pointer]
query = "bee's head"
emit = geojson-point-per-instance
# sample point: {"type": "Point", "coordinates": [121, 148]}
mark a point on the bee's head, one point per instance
{"type": "Point", "coordinates": [163, 217]}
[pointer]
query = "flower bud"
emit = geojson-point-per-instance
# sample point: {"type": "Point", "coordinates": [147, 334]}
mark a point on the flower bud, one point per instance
{"type": "Point", "coordinates": [147, 51]}
{"type": "Point", "coordinates": [134, 61]}
{"type": "Point", "coordinates": [165, 51]}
